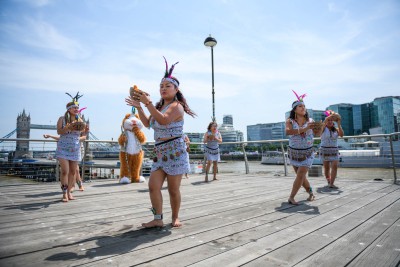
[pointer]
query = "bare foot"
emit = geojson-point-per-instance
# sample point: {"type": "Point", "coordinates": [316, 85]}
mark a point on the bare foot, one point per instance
{"type": "Point", "coordinates": [176, 223]}
{"type": "Point", "coordinates": [206, 179]}
{"type": "Point", "coordinates": [81, 188]}
{"type": "Point", "coordinates": [328, 179]}
{"type": "Point", "coordinates": [215, 178]}
{"type": "Point", "coordinates": [71, 197]}
{"type": "Point", "coordinates": [153, 223]}
{"type": "Point", "coordinates": [292, 201]}
{"type": "Point", "coordinates": [64, 198]}
{"type": "Point", "coordinates": [311, 197]}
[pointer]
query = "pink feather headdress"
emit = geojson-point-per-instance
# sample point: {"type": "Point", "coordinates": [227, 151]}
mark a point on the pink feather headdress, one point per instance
{"type": "Point", "coordinates": [299, 99]}
{"type": "Point", "coordinates": [329, 112]}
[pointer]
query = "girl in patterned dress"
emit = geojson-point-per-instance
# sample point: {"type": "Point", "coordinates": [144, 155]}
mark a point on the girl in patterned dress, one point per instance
{"type": "Point", "coordinates": [212, 138]}
{"type": "Point", "coordinates": [300, 151]}
{"type": "Point", "coordinates": [68, 151]}
{"type": "Point", "coordinates": [78, 178]}
{"type": "Point", "coordinates": [329, 150]}
{"type": "Point", "coordinates": [170, 160]}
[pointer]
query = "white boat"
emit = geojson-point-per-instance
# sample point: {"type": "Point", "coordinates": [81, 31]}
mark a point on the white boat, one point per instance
{"type": "Point", "coordinates": [365, 158]}
{"type": "Point", "coordinates": [274, 158]}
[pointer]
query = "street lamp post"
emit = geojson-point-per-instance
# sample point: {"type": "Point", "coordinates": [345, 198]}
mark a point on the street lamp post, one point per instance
{"type": "Point", "coordinates": [211, 42]}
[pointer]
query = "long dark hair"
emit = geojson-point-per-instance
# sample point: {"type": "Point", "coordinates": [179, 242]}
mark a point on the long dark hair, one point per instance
{"type": "Point", "coordinates": [332, 130]}
{"type": "Point", "coordinates": [210, 125]}
{"type": "Point", "coordinates": [180, 98]}
{"type": "Point", "coordinates": [293, 114]}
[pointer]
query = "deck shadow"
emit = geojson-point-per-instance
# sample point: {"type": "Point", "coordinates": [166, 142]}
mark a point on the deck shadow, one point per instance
{"type": "Point", "coordinates": [47, 194]}
{"type": "Point", "coordinates": [329, 191]}
{"type": "Point", "coordinates": [34, 206]}
{"type": "Point", "coordinates": [114, 244]}
{"type": "Point", "coordinates": [109, 185]}
{"type": "Point", "coordinates": [200, 183]}
{"type": "Point", "coordinates": [303, 208]}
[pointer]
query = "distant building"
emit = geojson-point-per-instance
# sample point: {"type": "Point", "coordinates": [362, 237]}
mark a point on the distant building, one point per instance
{"type": "Point", "coordinates": [386, 114]}
{"type": "Point", "coordinates": [266, 131]}
{"type": "Point", "coordinates": [362, 122]}
{"type": "Point", "coordinates": [23, 131]}
{"type": "Point", "coordinates": [229, 134]}
{"type": "Point", "coordinates": [195, 137]}
{"type": "Point", "coordinates": [346, 112]}
{"type": "Point", "coordinates": [381, 116]}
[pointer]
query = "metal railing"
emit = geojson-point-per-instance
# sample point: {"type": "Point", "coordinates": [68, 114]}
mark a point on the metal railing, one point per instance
{"type": "Point", "coordinates": [386, 146]}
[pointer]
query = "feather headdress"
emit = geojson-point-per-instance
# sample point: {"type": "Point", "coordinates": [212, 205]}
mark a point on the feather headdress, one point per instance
{"type": "Point", "coordinates": [329, 112]}
{"type": "Point", "coordinates": [168, 73]}
{"type": "Point", "coordinates": [74, 100]}
{"type": "Point", "coordinates": [299, 99]}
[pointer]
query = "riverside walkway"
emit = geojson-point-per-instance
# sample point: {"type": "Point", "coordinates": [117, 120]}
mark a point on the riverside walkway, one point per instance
{"type": "Point", "coordinates": [240, 220]}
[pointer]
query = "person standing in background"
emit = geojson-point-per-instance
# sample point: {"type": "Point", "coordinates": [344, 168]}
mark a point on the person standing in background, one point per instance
{"type": "Point", "coordinates": [329, 150]}
{"type": "Point", "coordinates": [68, 153]}
{"type": "Point", "coordinates": [212, 138]}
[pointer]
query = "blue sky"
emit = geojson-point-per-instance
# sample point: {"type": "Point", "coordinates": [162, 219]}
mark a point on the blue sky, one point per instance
{"type": "Point", "coordinates": [335, 51]}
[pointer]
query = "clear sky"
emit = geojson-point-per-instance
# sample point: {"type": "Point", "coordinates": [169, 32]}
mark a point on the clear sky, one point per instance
{"type": "Point", "coordinates": [335, 51]}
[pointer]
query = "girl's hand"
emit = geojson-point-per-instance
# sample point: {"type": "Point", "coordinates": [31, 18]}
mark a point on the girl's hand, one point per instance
{"type": "Point", "coordinates": [132, 102]}
{"type": "Point", "coordinates": [140, 96]}
{"type": "Point", "coordinates": [86, 130]}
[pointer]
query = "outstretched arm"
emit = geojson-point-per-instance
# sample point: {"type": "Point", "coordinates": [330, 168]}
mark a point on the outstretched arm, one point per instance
{"type": "Point", "coordinates": [51, 136]}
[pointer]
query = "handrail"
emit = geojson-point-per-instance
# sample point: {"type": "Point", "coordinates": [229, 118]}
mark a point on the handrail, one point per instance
{"type": "Point", "coordinates": [240, 145]}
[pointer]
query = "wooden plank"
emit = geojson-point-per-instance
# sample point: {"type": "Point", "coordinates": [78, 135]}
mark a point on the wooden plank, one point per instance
{"type": "Point", "coordinates": [384, 251]}
{"type": "Point", "coordinates": [201, 225]}
{"type": "Point", "coordinates": [99, 222]}
{"type": "Point", "coordinates": [214, 241]}
{"type": "Point", "coordinates": [262, 245]}
{"type": "Point", "coordinates": [346, 237]}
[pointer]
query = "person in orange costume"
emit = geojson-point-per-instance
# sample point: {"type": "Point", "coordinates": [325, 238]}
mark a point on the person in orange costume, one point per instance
{"type": "Point", "coordinates": [131, 153]}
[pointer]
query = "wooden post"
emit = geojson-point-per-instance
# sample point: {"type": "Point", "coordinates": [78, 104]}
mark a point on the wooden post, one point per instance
{"type": "Point", "coordinates": [57, 171]}
{"type": "Point", "coordinates": [246, 163]}
{"type": "Point", "coordinates": [393, 161]}
{"type": "Point", "coordinates": [284, 158]}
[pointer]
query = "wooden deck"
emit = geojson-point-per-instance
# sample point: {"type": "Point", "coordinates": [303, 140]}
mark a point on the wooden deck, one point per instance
{"type": "Point", "coordinates": [240, 220]}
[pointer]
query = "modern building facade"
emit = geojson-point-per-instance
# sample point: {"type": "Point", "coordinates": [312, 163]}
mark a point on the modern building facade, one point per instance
{"type": "Point", "coordinates": [346, 112]}
{"type": "Point", "coordinates": [381, 116]}
{"type": "Point", "coordinates": [386, 113]}
{"type": "Point", "coordinates": [195, 137]}
{"type": "Point", "coordinates": [266, 131]}
{"type": "Point", "coordinates": [229, 134]}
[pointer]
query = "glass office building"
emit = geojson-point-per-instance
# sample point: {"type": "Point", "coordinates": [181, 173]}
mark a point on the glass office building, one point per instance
{"type": "Point", "coordinates": [266, 131]}
{"type": "Point", "coordinates": [362, 121]}
{"type": "Point", "coordinates": [346, 112]}
{"type": "Point", "coordinates": [385, 113]}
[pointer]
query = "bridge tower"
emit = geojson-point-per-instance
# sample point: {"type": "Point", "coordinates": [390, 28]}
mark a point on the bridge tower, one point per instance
{"type": "Point", "coordinates": [23, 131]}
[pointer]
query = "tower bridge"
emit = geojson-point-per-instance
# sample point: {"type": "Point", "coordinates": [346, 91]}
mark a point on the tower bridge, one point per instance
{"type": "Point", "coordinates": [23, 130]}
